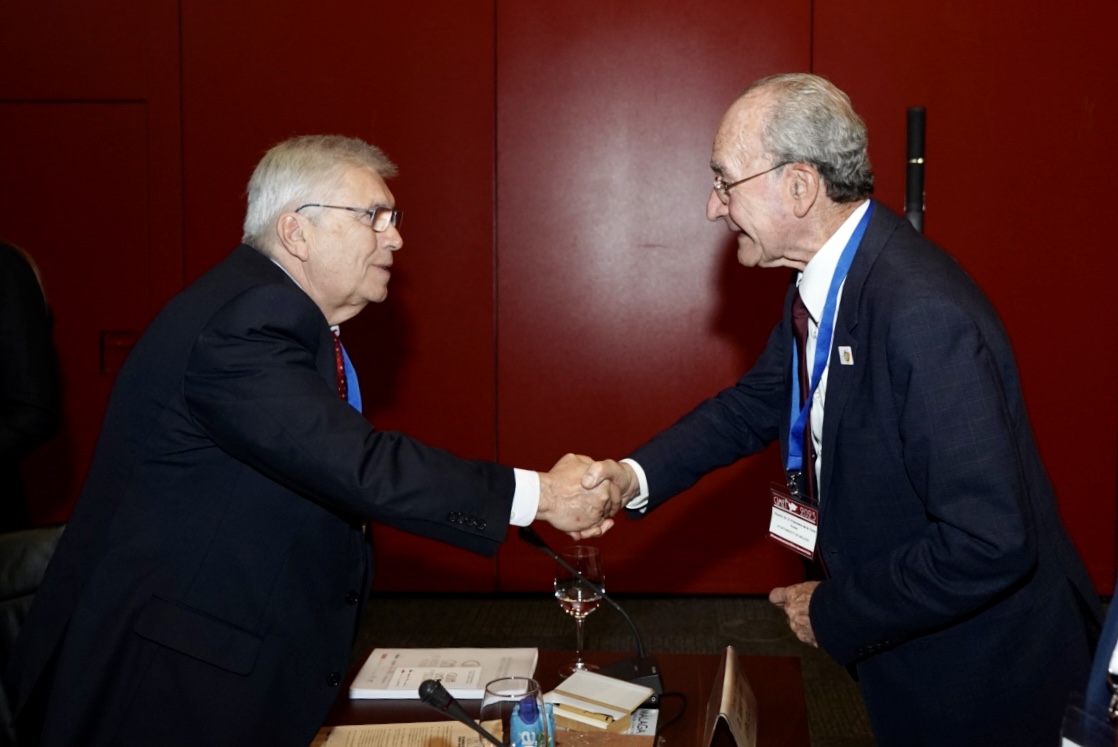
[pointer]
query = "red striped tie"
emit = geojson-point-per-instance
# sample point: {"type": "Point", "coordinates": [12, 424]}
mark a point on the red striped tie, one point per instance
{"type": "Point", "coordinates": [799, 320]}
{"type": "Point", "coordinates": [339, 364]}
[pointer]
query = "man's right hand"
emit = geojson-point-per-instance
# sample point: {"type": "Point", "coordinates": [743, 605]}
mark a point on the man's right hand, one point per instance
{"type": "Point", "coordinates": [569, 506]}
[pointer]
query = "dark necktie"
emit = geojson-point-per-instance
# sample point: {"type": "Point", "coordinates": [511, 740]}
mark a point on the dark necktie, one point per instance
{"type": "Point", "coordinates": [339, 365]}
{"type": "Point", "coordinates": [799, 322]}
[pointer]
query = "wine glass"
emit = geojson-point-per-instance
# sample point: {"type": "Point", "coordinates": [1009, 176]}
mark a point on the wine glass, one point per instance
{"type": "Point", "coordinates": [506, 694]}
{"type": "Point", "coordinates": [576, 597]}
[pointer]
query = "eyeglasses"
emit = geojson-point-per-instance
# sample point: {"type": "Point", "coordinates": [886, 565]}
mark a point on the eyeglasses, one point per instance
{"type": "Point", "coordinates": [380, 218]}
{"type": "Point", "coordinates": [722, 189]}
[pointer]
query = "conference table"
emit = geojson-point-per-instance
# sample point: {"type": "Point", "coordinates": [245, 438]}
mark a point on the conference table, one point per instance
{"type": "Point", "coordinates": [776, 681]}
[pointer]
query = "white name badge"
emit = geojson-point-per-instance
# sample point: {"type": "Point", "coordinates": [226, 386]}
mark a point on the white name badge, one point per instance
{"type": "Point", "coordinates": [794, 524]}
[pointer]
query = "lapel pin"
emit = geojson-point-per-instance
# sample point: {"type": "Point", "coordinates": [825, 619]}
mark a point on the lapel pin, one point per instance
{"type": "Point", "coordinates": [846, 355]}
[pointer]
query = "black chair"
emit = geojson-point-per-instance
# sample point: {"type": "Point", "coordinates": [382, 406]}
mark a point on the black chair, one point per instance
{"type": "Point", "coordinates": [23, 560]}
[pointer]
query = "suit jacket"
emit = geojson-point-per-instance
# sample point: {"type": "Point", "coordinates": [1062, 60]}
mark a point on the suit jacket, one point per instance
{"type": "Point", "coordinates": [1098, 686]}
{"type": "Point", "coordinates": [30, 397]}
{"type": "Point", "coordinates": [210, 583]}
{"type": "Point", "coordinates": [954, 591]}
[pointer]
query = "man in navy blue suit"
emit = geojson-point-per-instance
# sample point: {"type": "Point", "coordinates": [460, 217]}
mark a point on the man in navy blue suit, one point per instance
{"type": "Point", "coordinates": [1098, 722]}
{"type": "Point", "coordinates": [211, 579]}
{"type": "Point", "coordinates": [947, 583]}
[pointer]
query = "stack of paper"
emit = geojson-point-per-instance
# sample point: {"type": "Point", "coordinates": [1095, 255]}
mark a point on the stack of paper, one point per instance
{"type": "Point", "coordinates": [587, 701]}
{"type": "Point", "coordinates": [398, 672]}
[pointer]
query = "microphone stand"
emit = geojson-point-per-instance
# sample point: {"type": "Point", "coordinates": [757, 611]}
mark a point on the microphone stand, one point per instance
{"type": "Point", "coordinates": [641, 669]}
{"type": "Point", "coordinates": [435, 695]}
{"type": "Point", "coordinates": [914, 169]}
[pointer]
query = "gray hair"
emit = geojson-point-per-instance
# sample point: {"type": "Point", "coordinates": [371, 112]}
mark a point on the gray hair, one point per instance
{"type": "Point", "coordinates": [811, 121]}
{"type": "Point", "coordinates": [300, 170]}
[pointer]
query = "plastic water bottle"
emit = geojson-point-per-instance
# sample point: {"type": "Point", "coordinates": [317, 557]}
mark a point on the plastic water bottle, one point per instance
{"type": "Point", "coordinates": [527, 725]}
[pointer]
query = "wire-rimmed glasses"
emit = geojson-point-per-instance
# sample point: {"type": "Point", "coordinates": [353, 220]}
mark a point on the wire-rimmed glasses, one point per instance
{"type": "Point", "coordinates": [722, 189]}
{"type": "Point", "coordinates": [380, 218]}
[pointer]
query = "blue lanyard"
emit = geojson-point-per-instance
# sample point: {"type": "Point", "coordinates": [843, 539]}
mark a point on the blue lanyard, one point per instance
{"type": "Point", "coordinates": [822, 347]}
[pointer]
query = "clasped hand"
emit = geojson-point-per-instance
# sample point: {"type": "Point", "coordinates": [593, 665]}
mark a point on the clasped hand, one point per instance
{"type": "Point", "coordinates": [574, 505]}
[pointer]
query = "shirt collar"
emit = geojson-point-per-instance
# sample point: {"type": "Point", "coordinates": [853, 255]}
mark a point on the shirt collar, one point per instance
{"type": "Point", "coordinates": [815, 280]}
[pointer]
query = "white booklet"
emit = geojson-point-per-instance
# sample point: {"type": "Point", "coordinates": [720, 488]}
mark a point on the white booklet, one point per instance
{"type": "Point", "coordinates": [396, 673]}
{"type": "Point", "coordinates": [588, 701]}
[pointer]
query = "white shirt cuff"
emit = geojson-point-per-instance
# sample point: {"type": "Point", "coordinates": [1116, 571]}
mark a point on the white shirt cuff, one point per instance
{"type": "Point", "coordinates": [640, 503]}
{"type": "Point", "coordinates": [526, 499]}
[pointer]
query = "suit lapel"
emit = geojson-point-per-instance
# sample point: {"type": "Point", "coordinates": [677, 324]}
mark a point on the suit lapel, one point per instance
{"type": "Point", "coordinates": [841, 378]}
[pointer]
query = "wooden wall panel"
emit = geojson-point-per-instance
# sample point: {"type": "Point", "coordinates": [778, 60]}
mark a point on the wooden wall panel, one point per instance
{"type": "Point", "coordinates": [89, 161]}
{"type": "Point", "coordinates": [560, 288]}
{"type": "Point", "coordinates": [1020, 150]}
{"type": "Point", "coordinates": [91, 187]}
{"type": "Point", "coordinates": [619, 305]}
{"type": "Point", "coordinates": [417, 80]}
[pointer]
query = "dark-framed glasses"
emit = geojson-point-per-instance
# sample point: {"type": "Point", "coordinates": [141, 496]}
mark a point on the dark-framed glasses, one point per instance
{"type": "Point", "coordinates": [722, 189]}
{"type": "Point", "coordinates": [378, 218]}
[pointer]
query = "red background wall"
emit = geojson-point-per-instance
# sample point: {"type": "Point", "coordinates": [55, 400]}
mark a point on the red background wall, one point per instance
{"type": "Point", "coordinates": [559, 288]}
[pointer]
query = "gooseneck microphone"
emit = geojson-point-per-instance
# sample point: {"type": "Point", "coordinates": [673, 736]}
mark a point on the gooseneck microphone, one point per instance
{"type": "Point", "coordinates": [914, 169]}
{"type": "Point", "coordinates": [435, 695]}
{"type": "Point", "coordinates": [641, 669]}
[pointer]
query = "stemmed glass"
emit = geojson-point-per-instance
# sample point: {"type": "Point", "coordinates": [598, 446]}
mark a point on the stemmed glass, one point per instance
{"type": "Point", "coordinates": [576, 597]}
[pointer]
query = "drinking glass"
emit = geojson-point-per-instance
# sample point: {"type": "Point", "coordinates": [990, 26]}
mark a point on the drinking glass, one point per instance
{"type": "Point", "coordinates": [576, 597]}
{"type": "Point", "coordinates": [502, 696]}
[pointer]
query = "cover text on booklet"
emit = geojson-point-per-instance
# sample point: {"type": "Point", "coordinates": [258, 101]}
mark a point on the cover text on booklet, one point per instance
{"type": "Point", "coordinates": [396, 673]}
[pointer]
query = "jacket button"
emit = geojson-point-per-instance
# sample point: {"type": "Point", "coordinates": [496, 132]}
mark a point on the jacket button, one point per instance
{"type": "Point", "coordinates": [453, 517]}
{"type": "Point", "coordinates": [352, 598]}
{"type": "Point", "coordinates": [334, 679]}
{"type": "Point", "coordinates": [481, 525]}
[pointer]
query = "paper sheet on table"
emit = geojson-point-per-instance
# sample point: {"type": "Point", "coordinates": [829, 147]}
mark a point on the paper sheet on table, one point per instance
{"type": "Point", "coordinates": [422, 734]}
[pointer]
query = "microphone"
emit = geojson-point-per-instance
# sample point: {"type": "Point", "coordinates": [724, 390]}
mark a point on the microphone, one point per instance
{"type": "Point", "coordinates": [435, 695]}
{"type": "Point", "coordinates": [914, 169]}
{"type": "Point", "coordinates": [641, 669]}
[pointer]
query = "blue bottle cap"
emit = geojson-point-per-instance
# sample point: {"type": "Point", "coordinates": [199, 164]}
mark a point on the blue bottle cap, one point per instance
{"type": "Point", "coordinates": [529, 711]}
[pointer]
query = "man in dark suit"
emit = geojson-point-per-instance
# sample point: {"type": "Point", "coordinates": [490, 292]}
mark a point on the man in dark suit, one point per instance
{"type": "Point", "coordinates": [30, 391]}
{"type": "Point", "coordinates": [949, 586]}
{"type": "Point", "coordinates": [1098, 719]}
{"type": "Point", "coordinates": [210, 583]}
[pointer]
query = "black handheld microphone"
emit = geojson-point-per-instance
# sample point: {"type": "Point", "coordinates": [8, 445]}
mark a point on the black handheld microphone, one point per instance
{"type": "Point", "coordinates": [435, 695]}
{"type": "Point", "coordinates": [641, 669]}
{"type": "Point", "coordinates": [914, 169]}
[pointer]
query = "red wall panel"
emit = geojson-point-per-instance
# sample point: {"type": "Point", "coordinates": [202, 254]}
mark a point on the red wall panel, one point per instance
{"type": "Point", "coordinates": [417, 80]}
{"type": "Point", "coordinates": [1020, 139]}
{"type": "Point", "coordinates": [619, 305]}
{"type": "Point", "coordinates": [95, 281]}
{"type": "Point", "coordinates": [91, 186]}
{"type": "Point", "coordinates": [578, 300]}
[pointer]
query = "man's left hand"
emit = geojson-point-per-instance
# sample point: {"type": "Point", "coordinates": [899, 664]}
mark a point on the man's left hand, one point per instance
{"type": "Point", "coordinates": [795, 601]}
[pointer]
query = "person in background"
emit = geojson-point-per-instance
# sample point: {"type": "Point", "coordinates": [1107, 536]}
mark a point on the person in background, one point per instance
{"type": "Point", "coordinates": [210, 582]}
{"type": "Point", "coordinates": [30, 392]}
{"type": "Point", "coordinates": [946, 580]}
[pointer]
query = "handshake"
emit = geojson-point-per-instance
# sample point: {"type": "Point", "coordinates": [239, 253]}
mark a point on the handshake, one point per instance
{"type": "Point", "coordinates": [579, 495]}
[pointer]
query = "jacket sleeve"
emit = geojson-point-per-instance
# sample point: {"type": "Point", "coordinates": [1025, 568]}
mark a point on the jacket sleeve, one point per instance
{"type": "Point", "coordinates": [253, 386]}
{"type": "Point", "coordinates": [737, 422]}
